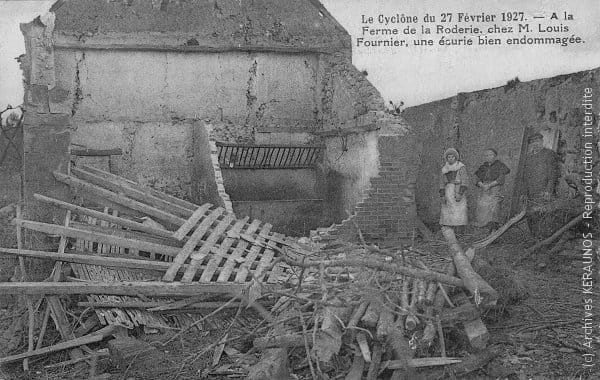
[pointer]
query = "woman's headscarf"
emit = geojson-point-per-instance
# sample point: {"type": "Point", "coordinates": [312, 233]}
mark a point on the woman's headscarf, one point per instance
{"type": "Point", "coordinates": [455, 166]}
{"type": "Point", "coordinates": [452, 151]}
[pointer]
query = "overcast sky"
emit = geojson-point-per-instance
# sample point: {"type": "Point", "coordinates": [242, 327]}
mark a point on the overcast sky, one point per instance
{"type": "Point", "coordinates": [415, 75]}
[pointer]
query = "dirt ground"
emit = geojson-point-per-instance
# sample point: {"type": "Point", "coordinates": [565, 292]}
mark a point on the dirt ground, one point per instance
{"type": "Point", "coordinates": [536, 330]}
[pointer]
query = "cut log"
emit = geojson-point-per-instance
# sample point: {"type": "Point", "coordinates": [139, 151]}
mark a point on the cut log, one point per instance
{"type": "Point", "coordinates": [463, 313]}
{"type": "Point", "coordinates": [477, 333]}
{"type": "Point", "coordinates": [371, 316]}
{"type": "Point", "coordinates": [385, 325]}
{"type": "Point", "coordinates": [330, 342]}
{"type": "Point", "coordinates": [375, 361]}
{"type": "Point", "coordinates": [361, 339]}
{"type": "Point", "coordinates": [273, 364]}
{"type": "Point", "coordinates": [483, 293]}
{"type": "Point", "coordinates": [412, 321]}
{"type": "Point", "coordinates": [357, 368]}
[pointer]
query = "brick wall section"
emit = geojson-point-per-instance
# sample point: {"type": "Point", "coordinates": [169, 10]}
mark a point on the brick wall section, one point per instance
{"type": "Point", "coordinates": [214, 157]}
{"type": "Point", "coordinates": [387, 212]}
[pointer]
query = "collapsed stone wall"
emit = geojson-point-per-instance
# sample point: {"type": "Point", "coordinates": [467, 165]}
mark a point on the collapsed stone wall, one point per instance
{"type": "Point", "coordinates": [502, 118]}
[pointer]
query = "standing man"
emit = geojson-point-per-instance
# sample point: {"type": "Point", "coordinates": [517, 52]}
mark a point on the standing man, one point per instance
{"type": "Point", "coordinates": [540, 172]}
{"type": "Point", "coordinates": [539, 178]}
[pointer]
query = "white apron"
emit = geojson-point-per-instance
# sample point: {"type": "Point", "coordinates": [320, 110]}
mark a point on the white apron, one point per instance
{"type": "Point", "coordinates": [453, 213]}
{"type": "Point", "coordinates": [487, 206]}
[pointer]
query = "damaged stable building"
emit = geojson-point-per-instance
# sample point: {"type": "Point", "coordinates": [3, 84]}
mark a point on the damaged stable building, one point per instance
{"type": "Point", "coordinates": [256, 107]}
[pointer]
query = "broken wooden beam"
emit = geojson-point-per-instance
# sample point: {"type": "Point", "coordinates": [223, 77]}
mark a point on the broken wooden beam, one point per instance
{"type": "Point", "coordinates": [384, 266]}
{"type": "Point", "coordinates": [148, 190]}
{"type": "Point", "coordinates": [54, 229]}
{"type": "Point", "coordinates": [483, 293]}
{"type": "Point", "coordinates": [77, 184]}
{"type": "Point", "coordinates": [107, 261]}
{"type": "Point", "coordinates": [87, 339]}
{"type": "Point", "coordinates": [126, 288]}
{"type": "Point", "coordinates": [104, 216]}
{"type": "Point", "coordinates": [133, 193]}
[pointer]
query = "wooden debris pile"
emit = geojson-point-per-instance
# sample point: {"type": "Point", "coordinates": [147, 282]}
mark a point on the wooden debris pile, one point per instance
{"type": "Point", "coordinates": [344, 313]}
{"type": "Point", "coordinates": [143, 258]}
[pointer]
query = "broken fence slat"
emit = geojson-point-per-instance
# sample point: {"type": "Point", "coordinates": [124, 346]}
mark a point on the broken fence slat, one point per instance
{"type": "Point", "coordinates": [123, 288]}
{"type": "Point", "coordinates": [198, 256]}
{"type": "Point", "coordinates": [78, 184]}
{"type": "Point", "coordinates": [54, 229]}
{"type": "Point", "coordinates": [191, 244]}
{"type": "Point", "coordinates": [252, 255]}
{"type": "Point", "coordinates": [237, 253]}
{"type": "Point", "coordinates": [132, 193]}
{"type": "Point", "coordinates": [192, 221]}
{"type": "Point", "coordinates": [215, 260]}
{"type": "Point", "coordinates": [148, 190]}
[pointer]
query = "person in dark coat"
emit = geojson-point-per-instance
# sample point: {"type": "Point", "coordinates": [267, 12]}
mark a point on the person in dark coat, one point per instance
{"type": "Point", "coordinates": [490, 178]}
{"type": "Point", "coordinates": [539, 178]}
{"type": "Point", "coordinates": [540, 171]}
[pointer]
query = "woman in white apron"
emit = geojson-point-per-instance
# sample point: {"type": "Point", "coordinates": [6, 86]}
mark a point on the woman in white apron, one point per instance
{"type": "Point", "coordinates": [490, 178]}
{"type": "Point", "coordinates": [453, 187]}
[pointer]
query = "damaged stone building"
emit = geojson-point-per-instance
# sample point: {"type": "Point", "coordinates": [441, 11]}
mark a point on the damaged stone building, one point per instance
{"type": "Point", "coordinates": [255, 106]}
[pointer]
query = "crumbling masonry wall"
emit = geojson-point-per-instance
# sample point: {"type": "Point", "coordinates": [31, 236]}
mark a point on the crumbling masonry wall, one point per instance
{"type": "Point", "coordinates": [386, 214]}
{"type": "Point", "coordinates": [501, 118]}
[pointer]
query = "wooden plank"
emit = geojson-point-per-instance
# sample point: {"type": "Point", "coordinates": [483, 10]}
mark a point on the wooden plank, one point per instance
{"type": "Point", "coordinates": [192, 221]}
{"type": "Point", "coordinates": [123, 288]}
{"type": "Point", "coordinates": [78, 184]}
{"type": "Point", "coordinates": [191, 244]}
{"type": "Point", "coordinates": [205, 249]}
{"type": "Point", "coordinates": [133, 193]}
{"type": "Point", "coordinates": [98, 237]}
{"type": "Point", "coordinates": [213, 264]}
{"type": "Point", "coordinates": [254, 251]}
{"type": "Point", "coordinates": [237, 253]}
{"type": "Point", "coordinates": [100, 215]}
{"type": "Point", "coordinates": [141, 236]}
{"type": "Point", "coordinates": [106, 261]}
{"type": "Point", "coordinates": [264, 262]}
{"type": "Point", "coordinates": [145, 189]}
